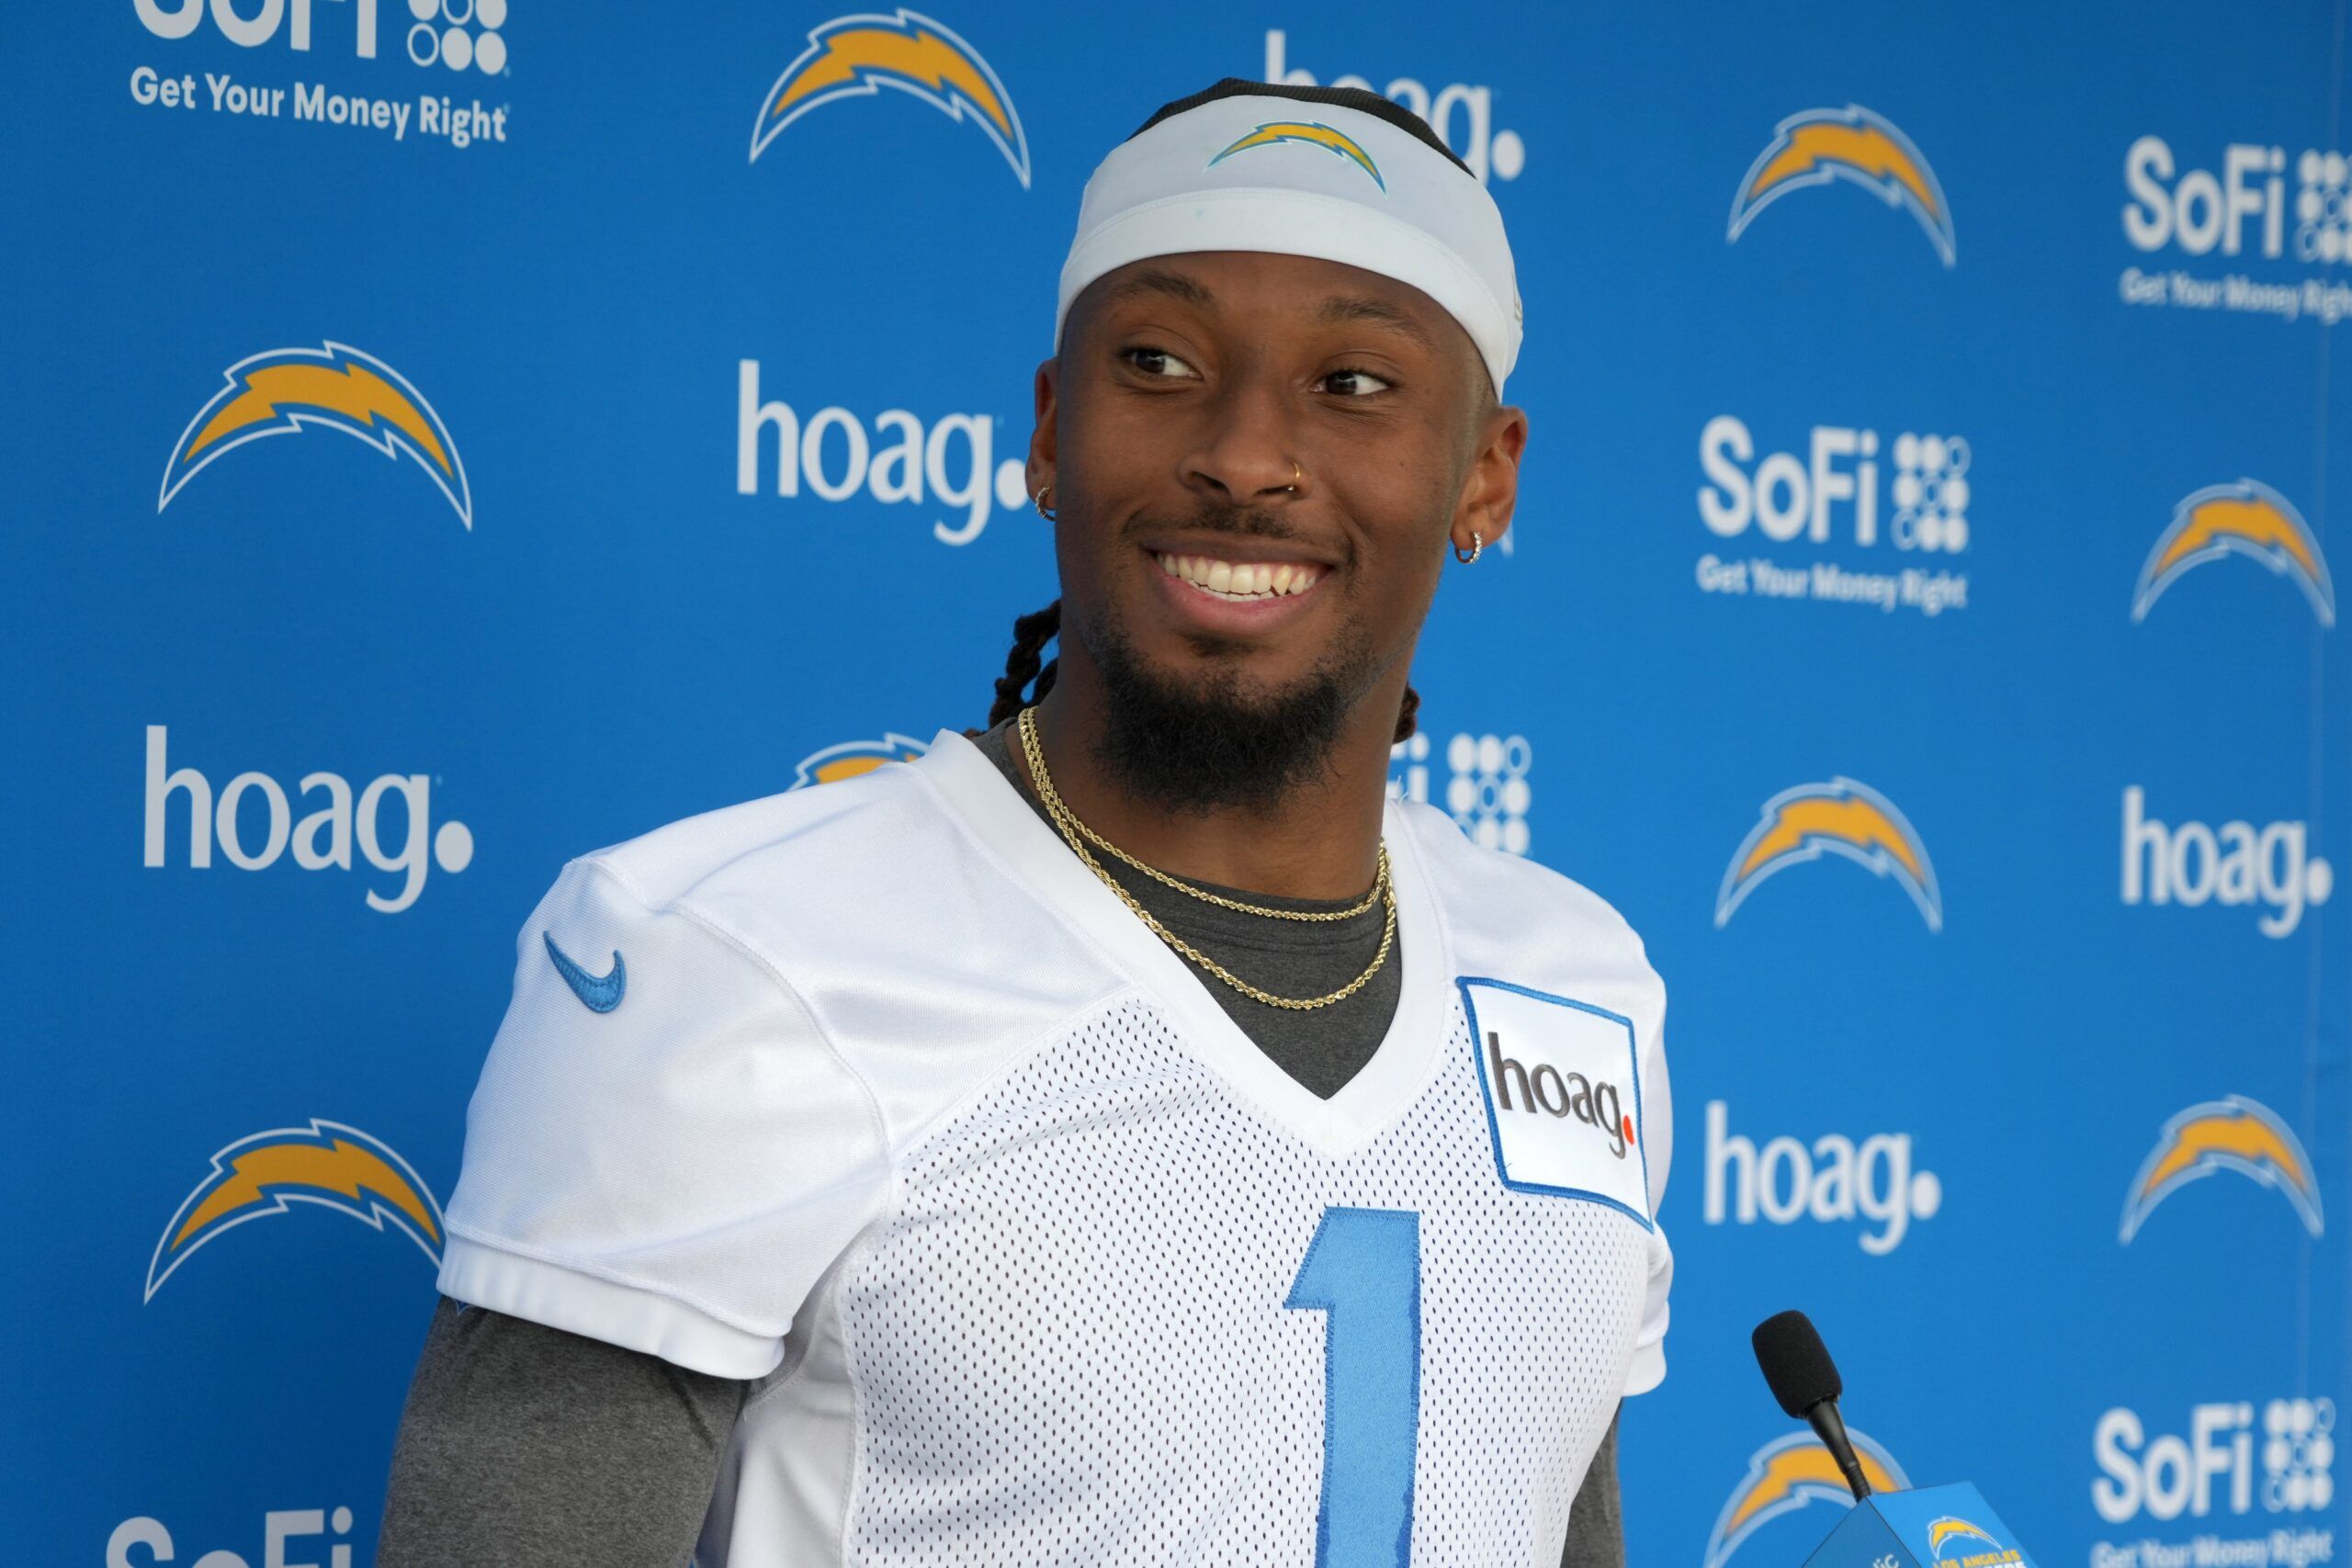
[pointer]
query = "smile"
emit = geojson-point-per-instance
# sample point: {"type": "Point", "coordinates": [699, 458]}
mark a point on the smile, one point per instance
{"type": "Point", "coordinates": [1240, 582]}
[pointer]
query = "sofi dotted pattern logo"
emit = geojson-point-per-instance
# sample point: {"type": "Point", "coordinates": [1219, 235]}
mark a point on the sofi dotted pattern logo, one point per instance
{"type": "Point", "coordinates": [1486, 789]}
{"type": "Point", "coordinates": [2299, 1454]}
{"type": "Point", "coordinates": [1930, 492]}
{"type": "Point", "coordinates": [458, 34]}
{"type": "Point", "coordinates": [2323, 206]}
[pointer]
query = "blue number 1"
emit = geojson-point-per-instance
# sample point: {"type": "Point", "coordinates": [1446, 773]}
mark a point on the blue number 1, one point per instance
{"type": "Point", "coordinates": [1363, 1270]}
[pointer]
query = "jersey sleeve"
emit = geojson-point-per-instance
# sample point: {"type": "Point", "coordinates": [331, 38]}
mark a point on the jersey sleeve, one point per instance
{"type": "Point", "coordinates": [664, 1152]}
{"type": "Point", "coordinates": [1657, 1115]}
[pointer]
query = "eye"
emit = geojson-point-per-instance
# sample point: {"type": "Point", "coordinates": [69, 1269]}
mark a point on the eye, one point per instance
{"type": "Point", "coordinates": [1160, 365]}
{"type": "Point", "coordinates": [1353, 383]}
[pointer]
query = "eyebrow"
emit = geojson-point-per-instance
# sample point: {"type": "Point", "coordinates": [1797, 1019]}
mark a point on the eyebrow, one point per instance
{"type": "Point", "coordinates": [1349, 308]}
{"type": "Point", "coordinates": [1172, 285]}
{"type": "Point", "coordinates": [1337, 310]}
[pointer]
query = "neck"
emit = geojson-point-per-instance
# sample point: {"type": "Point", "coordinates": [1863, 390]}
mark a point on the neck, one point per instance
{"type": "Point", "coordinates": [1317, 839]}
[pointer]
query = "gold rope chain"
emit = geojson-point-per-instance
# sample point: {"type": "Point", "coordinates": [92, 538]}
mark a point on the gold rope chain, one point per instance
{"type": "Point", "coordinates": [1071, 828]}
{"type": "Point", "coordinates": [1054, 802]}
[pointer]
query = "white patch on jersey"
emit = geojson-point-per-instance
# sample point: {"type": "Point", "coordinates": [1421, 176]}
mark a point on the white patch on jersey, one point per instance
{"type": "Point", "coordinates": [1564, 1100]}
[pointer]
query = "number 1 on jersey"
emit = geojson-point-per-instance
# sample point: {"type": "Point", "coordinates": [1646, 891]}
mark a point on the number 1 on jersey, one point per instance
{"type": "Point", "coordinates": [1363, 1271]}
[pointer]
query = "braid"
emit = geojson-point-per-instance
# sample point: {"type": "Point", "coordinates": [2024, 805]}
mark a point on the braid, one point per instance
{"type": "Point", "coordinates": [1412, 704]}
{"type": "Point", "coordinates": [1030, 634]}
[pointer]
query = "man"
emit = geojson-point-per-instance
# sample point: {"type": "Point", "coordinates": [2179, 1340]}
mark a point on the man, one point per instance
{"type": "Point", "coordinates": [1128, 1137]}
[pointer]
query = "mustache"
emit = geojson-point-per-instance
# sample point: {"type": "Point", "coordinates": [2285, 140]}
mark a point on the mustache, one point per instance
{"type": "Point", "coordinates": [1211, 517]}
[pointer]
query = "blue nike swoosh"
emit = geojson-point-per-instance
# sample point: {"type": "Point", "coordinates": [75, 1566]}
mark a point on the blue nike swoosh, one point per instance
{"type": "Point", "coordinates": [600, 993]}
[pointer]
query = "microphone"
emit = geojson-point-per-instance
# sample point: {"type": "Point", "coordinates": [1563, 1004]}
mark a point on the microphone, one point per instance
{"type": "Point", "coordinates": [1796, 1365]}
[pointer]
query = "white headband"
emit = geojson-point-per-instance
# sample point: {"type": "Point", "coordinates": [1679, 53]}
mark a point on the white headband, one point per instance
{"type": "Point", "coordinates": [1262, 172]}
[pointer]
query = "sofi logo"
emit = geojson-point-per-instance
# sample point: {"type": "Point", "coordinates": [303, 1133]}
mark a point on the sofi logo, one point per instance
{"type": "Point", "coordinates": [2211, 1467]}
{"type": "Point", "coordinates": [284, 1531]}
{"type": "Point", "coordinates": [1832, 487]}
{"type": "Point", "coordinates": [2236, 865]}
{"type": "Point", "coordinates": [1461, 115]}
{"type": "Point", "coordinates": [2241, 207]}
{"type": "Point", "coordinates": [1834, 1180]}
{"type": "Point", "coordinates": [251, 820]}
{"type": "Point", "coordinates": [835, 457]}
{"type": "Point", "coordinates": [455, 33]}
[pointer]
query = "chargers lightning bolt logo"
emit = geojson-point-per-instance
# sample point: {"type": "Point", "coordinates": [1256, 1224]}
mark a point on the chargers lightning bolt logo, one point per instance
{"type": "Point", "coordinates": [326, 1164]}
{"type": "Point", "coordinates": [853, 56]}
{"type": "Point", "coordinates": [1785, 1475]}
{"type": "Point", "coordinates": [1852, 145]}
{"type": "Point", "coordinates": [2231, 1133]}
{"type": "Point", "coordinates": [2249, 519]}
{"type": "Point", "coordinates": [1314, 133]}
{"type": "Point", "coordinates": [283, 391]}
{"type": "Point", "coordinates": [1839, 817]}
{"type": "Point", "coordinates": [1950, 1527]}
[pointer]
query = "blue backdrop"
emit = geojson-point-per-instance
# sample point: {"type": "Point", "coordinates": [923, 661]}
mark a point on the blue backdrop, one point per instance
{"type": "Point", "coordinates": [1919, 623]}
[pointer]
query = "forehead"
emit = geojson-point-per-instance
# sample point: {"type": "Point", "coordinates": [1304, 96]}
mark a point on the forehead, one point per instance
{"type": "Point", "coordinates": [1250, 288]}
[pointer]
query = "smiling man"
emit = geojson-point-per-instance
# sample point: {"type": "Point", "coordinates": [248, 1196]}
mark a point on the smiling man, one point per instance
{"type": "Point", "coordinates": [1125, 1135]}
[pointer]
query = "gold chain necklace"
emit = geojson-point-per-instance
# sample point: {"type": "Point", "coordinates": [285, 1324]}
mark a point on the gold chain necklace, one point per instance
{"type": "Point", "coordinates": [1078, 835]}
{"type": "Point", "coordinates": [1060, 809]}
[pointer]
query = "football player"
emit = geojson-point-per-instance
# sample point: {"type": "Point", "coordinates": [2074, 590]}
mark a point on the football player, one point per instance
{"type": "Point", "coordinates": [1124, 1134]}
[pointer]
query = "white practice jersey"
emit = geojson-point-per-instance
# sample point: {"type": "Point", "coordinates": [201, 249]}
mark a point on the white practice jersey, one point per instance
{"type": "Point", "coordinates": [875, 1094]}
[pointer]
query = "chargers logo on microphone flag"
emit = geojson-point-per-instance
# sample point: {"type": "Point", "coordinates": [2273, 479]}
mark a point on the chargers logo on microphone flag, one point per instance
{"type": "Point", "coordinates": [2232, 1133]}
{"type": "Point", "coordinates": [1950, 1528]}
{"type": "Point", "coordinates": [282, 390]}
{"type": "Point", "coordinates": [851, 758]}
{"type": "Point", "coordinates": [1840, 818]}
{"type": "Point", "coordinates": [1313, 133]}
{"type": "Point", "coordinates": [1852, 145]}
{"type": "Point", "coordinates": [2249, 519]}
{"type": "Point", "coordinates": [1785, 1475]}
{"type": "Point", "coordinates": [853, 56]}
{"type": "Point", "coordinates": [326, 1164]}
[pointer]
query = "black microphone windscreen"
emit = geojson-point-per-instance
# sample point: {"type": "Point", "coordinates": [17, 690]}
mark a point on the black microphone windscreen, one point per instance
{"type": "Point", "coordinates": [1796, 1363]}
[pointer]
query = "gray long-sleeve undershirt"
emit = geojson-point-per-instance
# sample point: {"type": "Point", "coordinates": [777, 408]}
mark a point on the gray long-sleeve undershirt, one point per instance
{"type": "Point", "coordinates": [523, 1445]}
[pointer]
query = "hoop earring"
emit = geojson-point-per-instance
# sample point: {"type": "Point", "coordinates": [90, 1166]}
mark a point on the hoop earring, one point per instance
{"type": "Point", "coordinates": [1477, 543]}
{"type": "Point", "coordinates": [1038, 501]}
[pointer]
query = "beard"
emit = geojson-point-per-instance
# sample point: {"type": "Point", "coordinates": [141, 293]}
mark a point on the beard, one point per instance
{"type": "Point", "coordinates": [1221, 740]}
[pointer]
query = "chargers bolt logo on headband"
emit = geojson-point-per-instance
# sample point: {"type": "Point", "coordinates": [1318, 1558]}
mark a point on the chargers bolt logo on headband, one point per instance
{"type": "Point", "coordinates": [1315, 133]}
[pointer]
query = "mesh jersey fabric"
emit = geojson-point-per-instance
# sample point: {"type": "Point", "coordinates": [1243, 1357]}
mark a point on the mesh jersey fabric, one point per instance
{"type": "Point", "coordinates": [866, 1026]}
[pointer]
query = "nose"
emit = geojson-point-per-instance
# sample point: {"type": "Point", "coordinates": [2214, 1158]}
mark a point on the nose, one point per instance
{"type": "Point", "coordinates": [1244, 454]}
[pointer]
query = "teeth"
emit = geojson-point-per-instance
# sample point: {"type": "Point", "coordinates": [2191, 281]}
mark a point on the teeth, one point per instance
{"type": "Point", "coordinates": [1241, 579]}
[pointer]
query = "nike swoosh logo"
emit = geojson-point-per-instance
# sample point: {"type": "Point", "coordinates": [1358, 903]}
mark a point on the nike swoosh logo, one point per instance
{"type": "Point", "coordinates": [599, 993]}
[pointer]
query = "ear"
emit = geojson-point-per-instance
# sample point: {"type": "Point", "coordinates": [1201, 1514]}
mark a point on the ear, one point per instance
{"type": "Point", "coordinates": [1490, 490]}
{"type": "Point", "coordinates": [1044, 439]}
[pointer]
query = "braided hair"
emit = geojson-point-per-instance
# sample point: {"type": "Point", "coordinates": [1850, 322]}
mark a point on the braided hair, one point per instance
{"type": "Point", "coordinates": [1024, 665]}
{"type": "Point", "coordinates": [1030, 634]}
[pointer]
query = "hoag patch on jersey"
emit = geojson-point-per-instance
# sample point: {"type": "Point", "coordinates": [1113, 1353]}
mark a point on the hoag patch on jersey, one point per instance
{"type": "Point", "coordinates": [1563, 1094]}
